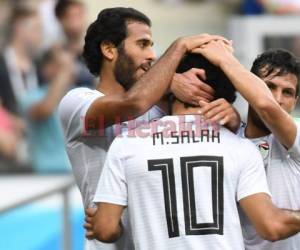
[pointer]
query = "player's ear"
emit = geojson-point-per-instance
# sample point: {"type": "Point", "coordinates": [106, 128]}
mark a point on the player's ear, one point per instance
{"type": "Point", "coordinates": [109, 50]}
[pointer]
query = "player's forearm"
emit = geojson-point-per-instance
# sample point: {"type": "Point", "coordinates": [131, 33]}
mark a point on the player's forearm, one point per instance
{"type": "Point", "coordinates": [251, 87]}
{"type": "Point", "coordinates": [154, 84]}
{"type": "Point", "coordinates": [285, 223]}
{"type": "Point", "coordinates": [260, 98]}
{"type": "Point", "coordinates": [289, 223]}
{"type": "Point", "coordinates": [108, 234]}
{"type": "Point", "coordinates": [278, 224]}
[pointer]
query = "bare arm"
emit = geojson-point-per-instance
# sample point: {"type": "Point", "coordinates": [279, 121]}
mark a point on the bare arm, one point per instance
{"type": "Point", "coordinates": [107, 225]}
{"type": "Point", "coordinates": [255, 91]}
{"type": "Point", "coordinates": [270, 222]}
{"type": "Point", "coordinates": [149, 89]}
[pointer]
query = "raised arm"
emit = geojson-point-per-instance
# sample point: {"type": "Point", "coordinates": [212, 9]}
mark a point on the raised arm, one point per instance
{"type": "Point", "coordinates": [254, 90]}
{"type": "Point", "coordinates": [149, 89]}
{"type": "Point", "coordinates": [270, 222]}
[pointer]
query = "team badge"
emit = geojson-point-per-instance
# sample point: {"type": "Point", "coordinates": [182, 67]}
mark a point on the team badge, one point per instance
{"type": "Point", "coordinates": [263, 147]}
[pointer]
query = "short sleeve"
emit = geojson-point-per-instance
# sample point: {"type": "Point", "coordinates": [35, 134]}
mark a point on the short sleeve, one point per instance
{"type": "Point", "coordinates": [252, 177]}
{"type": "Point", "coordinates": [72, 110]}
{"type": "Point", "coordinates": [112, 185]}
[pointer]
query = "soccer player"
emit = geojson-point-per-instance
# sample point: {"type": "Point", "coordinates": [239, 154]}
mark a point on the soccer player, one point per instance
{"type": "Point", "coordinates": [118, 49]}
{"type": "Point", "coordinates": [182, 181]}
{"type": "Point", "coordinates": [272, 95]}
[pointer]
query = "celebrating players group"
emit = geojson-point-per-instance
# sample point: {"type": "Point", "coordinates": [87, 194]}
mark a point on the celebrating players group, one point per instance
{"type": "Point", "coordinates": [160, 155]}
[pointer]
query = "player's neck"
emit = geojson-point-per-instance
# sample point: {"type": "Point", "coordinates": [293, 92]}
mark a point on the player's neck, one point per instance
{"type": "Point", "coordinates": [178, 108]}
{"type": "Point", "coordinates": [254, 131]}
{"type": "Point", "coordinates": [108, 84]}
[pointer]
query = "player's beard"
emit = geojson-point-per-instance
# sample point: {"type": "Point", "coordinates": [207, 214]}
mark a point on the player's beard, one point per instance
{"type": "Point", "coordinates": [258, 122]}
{"type": "Point", "coordinates": [125, 69]}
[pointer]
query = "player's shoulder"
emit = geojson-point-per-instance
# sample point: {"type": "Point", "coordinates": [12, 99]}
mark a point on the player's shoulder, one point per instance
{"type": "Point", "coordinates": [238, 141]}
{"type": "Point", "coordinates": [82, 93]}
{"type": "Point", "coordinates": [247, 149]}
{"type": "Point", "coordinates": [76, 97]}
{"type": "Point", "coordinates": [74, 101]}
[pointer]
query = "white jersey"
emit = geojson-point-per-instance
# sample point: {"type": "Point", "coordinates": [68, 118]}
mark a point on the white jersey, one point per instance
{"type": "Point", "coordinates": [181, 190]}
{"type": "Point", "coordinates": [283, 175]}
{"type": "Point", "coordinates": [87, 151]}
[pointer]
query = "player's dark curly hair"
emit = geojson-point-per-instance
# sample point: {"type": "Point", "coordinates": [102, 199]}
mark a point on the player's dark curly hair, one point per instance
{"type": "Point", "coordinates": [214, 76]}
{"type": "Point", "coordinates": [110, 26]}
{"type": "Point", "coordinates": [277, 61]}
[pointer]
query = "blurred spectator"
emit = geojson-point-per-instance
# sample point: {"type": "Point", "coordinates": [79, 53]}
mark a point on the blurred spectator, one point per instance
{"type": "Point", "coordinates": [252, 7]}
{"type": "Point", "coordinates": [52, 32]}
{"type": "Point", "coordinates": [280, 7]}
{"type": "Point", "coordinates": [45, 136]}
{"type": "Point", "coordinates": [18, 73]}
{"type": "Point", "coordinates": [4, 13]}
{"type": "Point", "coordinates": [72, 15]}
{"type": "Point", "coordinates": [8, 135]}
{"type": "Point", "coordinates": [11, 133]}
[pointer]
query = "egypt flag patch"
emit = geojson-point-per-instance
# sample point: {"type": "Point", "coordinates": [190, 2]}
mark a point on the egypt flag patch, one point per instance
{"type": "Point", "coordinates": [263, 147]}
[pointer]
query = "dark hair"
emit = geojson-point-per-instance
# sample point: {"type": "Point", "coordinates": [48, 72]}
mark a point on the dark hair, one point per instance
{"type": "Point", "coordinates": [214, 76]}
{"type": "Point", "coordinates": [110, 26]}
{"type": "Point", "coordinates": [62, 6]}
{"type": "Point", "coordinates": [277, 61]}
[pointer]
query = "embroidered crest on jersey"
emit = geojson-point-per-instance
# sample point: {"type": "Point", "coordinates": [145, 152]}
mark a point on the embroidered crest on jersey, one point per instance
{"type": "Point", "coordinates": [264, 147]}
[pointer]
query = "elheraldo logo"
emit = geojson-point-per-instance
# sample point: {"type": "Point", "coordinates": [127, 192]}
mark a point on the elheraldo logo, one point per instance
{"type": "Point", "coordinates": [142, 129]}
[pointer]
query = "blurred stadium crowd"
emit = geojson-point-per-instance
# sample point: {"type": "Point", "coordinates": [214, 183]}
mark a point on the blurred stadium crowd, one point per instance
{"type": "Point", "coordinates": [40, 60]}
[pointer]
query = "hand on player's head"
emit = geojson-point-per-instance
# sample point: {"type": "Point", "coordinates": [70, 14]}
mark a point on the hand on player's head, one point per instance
{"type": "Point", "coordinates": [220, 111]}
{"type": "Point", "coordinates": [216, 51]}
{"type": "Point", "coordinates": [190, 87]}
{"type": "Point", "coordinates": [193, 42]}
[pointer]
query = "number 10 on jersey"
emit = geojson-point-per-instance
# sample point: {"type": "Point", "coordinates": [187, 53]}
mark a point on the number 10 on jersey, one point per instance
{"type": "Point", "coordinates": [187, 165]}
